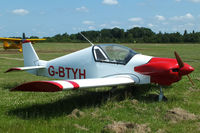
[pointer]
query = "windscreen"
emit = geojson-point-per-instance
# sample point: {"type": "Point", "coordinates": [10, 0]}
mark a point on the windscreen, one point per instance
{"type": "Point", "coordinates": [117, 53]}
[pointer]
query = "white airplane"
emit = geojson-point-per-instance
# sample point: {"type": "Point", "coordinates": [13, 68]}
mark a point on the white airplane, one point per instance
{"type": "Point", "coordinates": [98, 66]}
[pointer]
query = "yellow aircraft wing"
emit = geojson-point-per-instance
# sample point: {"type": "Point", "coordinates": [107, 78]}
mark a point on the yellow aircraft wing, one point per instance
{"type": "Point", "coordinates": [19, 39]}
{"type": "Point", "coordinates": [10, 39]}
{"type": "Point", "coordinates": [35, 39]}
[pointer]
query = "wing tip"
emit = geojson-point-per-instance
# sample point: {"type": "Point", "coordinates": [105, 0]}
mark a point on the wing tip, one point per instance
{"type": "Point", "coordinates": [13, 69]}
{"type": "Point", "coordinates": [39, 86]}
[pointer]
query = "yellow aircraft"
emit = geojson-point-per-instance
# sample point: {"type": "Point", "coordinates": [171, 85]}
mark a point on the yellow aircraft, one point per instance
{"type": "Point", "coordinates": [15, 43]}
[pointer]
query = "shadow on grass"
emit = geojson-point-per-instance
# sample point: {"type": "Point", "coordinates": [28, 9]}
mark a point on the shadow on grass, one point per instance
{"type": "Point", "coordinates": [8, 86]}
{"type": "Point", "coordinates": [82, 99]}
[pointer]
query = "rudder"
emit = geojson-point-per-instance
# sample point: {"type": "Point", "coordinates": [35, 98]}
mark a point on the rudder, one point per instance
{"type": "Point", "coordinates": [30, 56]}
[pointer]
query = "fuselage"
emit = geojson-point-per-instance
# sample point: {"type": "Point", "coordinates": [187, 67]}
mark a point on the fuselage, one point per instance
{"type": "Point", "coordinates": [85, 64]}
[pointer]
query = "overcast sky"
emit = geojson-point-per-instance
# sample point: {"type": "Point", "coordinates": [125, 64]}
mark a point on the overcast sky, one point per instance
{"type": "Point", "coordinates": [49, 17]}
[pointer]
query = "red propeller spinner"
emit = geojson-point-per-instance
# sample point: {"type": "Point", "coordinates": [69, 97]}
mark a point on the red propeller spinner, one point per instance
{"type": "Point", "coordinates": [165, 71]}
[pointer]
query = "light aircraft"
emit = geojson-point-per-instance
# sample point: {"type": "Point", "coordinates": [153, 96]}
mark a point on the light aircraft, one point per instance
{"type": "Point", "coordinates": [98, 66]}
{"type": "Point", "coordinates": [16, 43]}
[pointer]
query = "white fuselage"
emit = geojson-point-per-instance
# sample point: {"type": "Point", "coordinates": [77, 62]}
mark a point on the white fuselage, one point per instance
{"type": "Point", "coordinates": [82, 65]}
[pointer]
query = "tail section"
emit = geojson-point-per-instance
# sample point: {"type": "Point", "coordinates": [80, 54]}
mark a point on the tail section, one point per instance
{"type": "Point", "coordinates": [30, 56]}
{"type": "Point", "coordinates": [32, 63]}
{"type": "Point", "coordinates": [31, 59]}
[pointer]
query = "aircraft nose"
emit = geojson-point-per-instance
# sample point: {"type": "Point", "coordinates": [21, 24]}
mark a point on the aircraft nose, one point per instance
{"type": "Point", "coordinates": [187, 69]}
{"type": "Point", "coordinates": [191, 69]}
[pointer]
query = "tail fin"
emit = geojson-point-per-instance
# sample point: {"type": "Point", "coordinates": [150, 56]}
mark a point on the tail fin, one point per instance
{"type": "Point", "coordinates": [32, 64]}
{"type": "Point", "coordinates": [30, 56]}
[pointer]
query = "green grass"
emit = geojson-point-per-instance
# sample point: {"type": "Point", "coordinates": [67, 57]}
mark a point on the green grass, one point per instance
{"type": "Point", "coordinates": [22, 112]}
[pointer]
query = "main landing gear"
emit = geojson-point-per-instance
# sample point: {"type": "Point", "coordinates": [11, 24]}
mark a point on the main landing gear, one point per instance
{"type": "Point", "coordinates": [161, 96]}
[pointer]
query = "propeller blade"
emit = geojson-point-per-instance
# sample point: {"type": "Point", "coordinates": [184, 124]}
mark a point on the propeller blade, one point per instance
{"type": "Point", "coordinates": [179, 60]}
{"type": "Point", "coordinates": [190, 80]}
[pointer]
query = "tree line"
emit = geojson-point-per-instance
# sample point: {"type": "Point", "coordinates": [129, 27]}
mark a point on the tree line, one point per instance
{"type": "Point", "coordinates": [133, 35]}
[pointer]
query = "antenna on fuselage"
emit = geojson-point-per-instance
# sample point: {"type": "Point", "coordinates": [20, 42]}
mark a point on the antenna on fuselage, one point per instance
{"type": "Point", "coordinates": [86, 39]}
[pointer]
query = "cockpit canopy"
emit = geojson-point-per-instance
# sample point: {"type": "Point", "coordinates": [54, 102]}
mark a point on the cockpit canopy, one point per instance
{"type": "Point", "coordinates": [113, 53]}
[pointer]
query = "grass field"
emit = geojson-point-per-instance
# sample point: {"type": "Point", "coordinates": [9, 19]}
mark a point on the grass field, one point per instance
{"type": "Point", "coordinates": [28, 112]}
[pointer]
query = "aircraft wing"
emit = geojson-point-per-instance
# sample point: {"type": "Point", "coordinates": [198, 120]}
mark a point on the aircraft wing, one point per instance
{"type": "Point", "coordinates": [19, 39]}
{"type": "Point", "coordinates": [59, 85]}
{"type": "Point", "coordinates": [24, 68]}
{"type": "Point", "coordinates": [35, 39]}
{"type": "Point", "coordinates": [10, 39]}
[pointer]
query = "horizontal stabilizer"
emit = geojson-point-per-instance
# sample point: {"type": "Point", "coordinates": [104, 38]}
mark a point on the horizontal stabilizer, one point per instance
{"type": "Point", "coordinates": [59, 85]}
{"type": "Point", "coordinates": [24, 68]}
